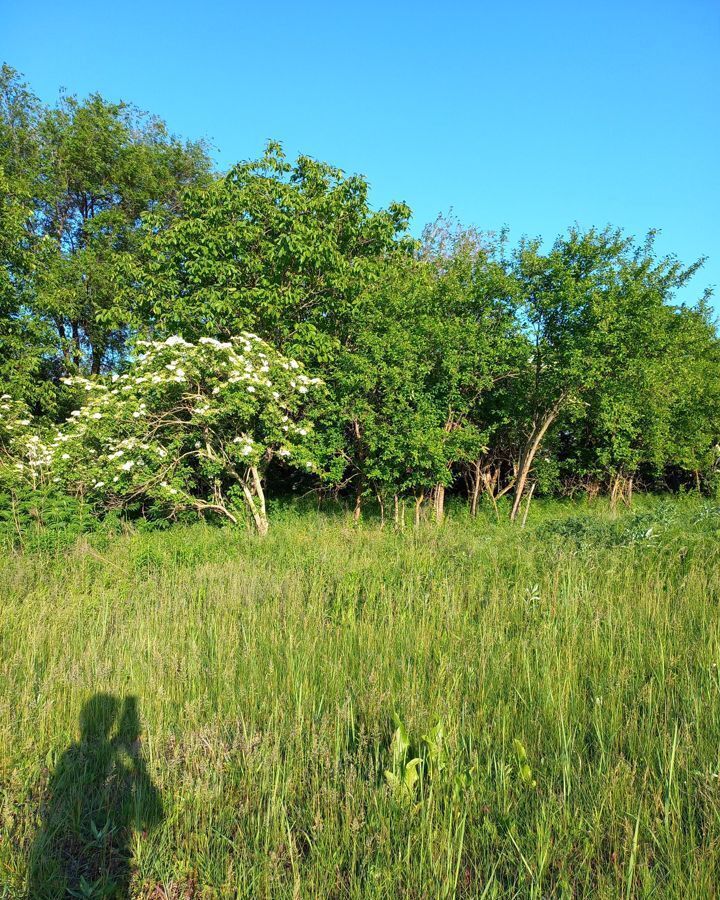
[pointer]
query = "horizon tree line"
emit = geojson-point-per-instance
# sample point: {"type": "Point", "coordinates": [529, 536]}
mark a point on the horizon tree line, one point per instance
{"type": "Point", "coordinates": [454, 362]}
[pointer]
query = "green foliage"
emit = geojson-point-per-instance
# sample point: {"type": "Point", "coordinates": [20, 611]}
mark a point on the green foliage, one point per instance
{"type": "Point", "coordinates": [33, 519]}
{"type": "Point", "coordinates": [74, 182]}
{"type": "Point", "coordinates": [453, 362]}
{"type": "Point", "coordinates": [26, 340]}
{"type": "Point", "coordinates": [644, 527]}
{"type": "Point", "coordinates": [284, 250]}
{"type": "Point", "coordinates": [404, 775]}
{"type": "Point", "coordinates": [523, 768]}
{"type": "Point", "coordinates": [427, 346]}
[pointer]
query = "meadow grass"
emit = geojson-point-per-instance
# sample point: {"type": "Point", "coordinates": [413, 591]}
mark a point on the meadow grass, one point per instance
{"type": "Point", "coordinates": [239, 698]}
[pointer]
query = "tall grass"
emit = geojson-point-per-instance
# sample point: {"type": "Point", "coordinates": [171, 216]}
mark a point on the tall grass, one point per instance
{"type": "Point", "coordinates": [573, 667]}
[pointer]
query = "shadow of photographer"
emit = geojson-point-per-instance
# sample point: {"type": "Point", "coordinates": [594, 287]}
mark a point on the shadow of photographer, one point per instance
{"type": "Point", "coordinates": [99, 793]}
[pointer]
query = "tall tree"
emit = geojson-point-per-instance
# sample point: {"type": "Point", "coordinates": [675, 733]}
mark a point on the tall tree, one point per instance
{"type": "Point", "coordinates": [283, 249]}
{"type": "Point", "coordinates": [291, 251]}
{"type": "Point", "coordinates": [593, 307]}
{"type": "Point", "coordinates": [103, 165]}
{"type": "Point", "coordinates": [74, 182]}
{"type": "Point", "coordinates": [474, 340]}
{"type": "Point", "coordinates": [26, 339]}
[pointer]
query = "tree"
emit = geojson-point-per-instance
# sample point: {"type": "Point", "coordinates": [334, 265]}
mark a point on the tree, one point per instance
{"type": "Point", "coordinates": [666, 357]}
{"type": "Point", "coordinates": [103, 165]}
{"type": "Point", "coordinates": [656, 414]}
{"type": "Point", "coordinates": [694, 415]}
{"type": "Point", "coordinates": [291, 251]}
{"type": "Point", "coordinates": [474, 342]}
{"type": "Point", "coordinates": [26, 343]}
{"type": "Point", "coordinates": [428, 343]}
{"type": "Point", "coordinates": [592, 308]}
{"type": "Point", "coordinates": [397, 444]}
{"type": "Point", "coordinates": [282, 249]}
{"type": "Point", "coordinates": [74, 182]}
{"type": "Point", "coordinates": [189, 426]}
{"type": "Point", "coordinates": [26, 340]}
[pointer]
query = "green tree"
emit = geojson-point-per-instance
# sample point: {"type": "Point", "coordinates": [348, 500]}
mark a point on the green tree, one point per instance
{"type": "Point", "coordinates": [291, 251]}
{"type": "Point", "coordinates": [282, 249]}
{"type": "Point", "coordinates": [593, 309]}
{"type": "Point", "coordinates": [474, 342]}
{"type": "Point", "coordinates": [26, 339]}
{"type": "Point", "coordinates": [428, 344]}
{"type": "Point", "coordinates": [103, 165]}
{"type": "Point", "coordinates": [655, 414]}
{"type": "Point", "coordinates": [396, 441]}
{"type": "Point", "coordinates": [74, 182]}
{"type": "Point", "coordinates": [694, 415]}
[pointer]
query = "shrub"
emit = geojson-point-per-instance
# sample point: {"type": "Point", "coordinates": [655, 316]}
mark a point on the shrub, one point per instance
{"type": "Point", "coordinates": [189, 427]}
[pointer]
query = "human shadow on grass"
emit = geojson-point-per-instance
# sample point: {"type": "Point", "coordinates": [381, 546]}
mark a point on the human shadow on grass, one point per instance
{"type": "Point", "coordinates": [99, 792]}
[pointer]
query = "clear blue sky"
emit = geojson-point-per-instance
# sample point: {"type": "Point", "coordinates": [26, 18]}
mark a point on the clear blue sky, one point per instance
{"type": "Point", "coordinates": [535, 115]}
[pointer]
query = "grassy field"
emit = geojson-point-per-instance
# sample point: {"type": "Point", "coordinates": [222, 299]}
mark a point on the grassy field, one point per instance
{"type": "Point", "coordinates": [202, 713]}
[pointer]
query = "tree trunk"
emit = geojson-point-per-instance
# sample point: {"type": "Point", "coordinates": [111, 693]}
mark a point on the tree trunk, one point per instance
{"type": "Point", "coordinates": [255, 499]}
{"type": "Point", "coordinates": [528, 455]}
{"type": "Point", "coordinates": [359, 487]}
{"type": "Point", "coordinates": [60, 325]}
{"type": "Point", "coordinates": [527, 505]}
{"type": "Point", "coordinates": [357, 511]}
{"type": "Point", "coordinates": [97, 355]}
{"type": "Point", "coordinates": [621, 490]}
{"type": "Point", "coordinates": [490, 480]}
{"type": "Point", "coordinates": [475, 479]}
{"type": "Point", "coordinates": [439, 503]}
{"type": "Point", "coordinates": [419, 500]}
{"type": "Point", "coordinates": [77, 350]}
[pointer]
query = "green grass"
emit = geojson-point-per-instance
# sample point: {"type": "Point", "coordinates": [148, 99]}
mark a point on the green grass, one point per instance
{"type": "Point", "coordinates": [573, 667]}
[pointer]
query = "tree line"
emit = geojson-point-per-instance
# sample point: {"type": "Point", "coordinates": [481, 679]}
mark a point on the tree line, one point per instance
{"type": "Point", "coordinates": [454, 362]}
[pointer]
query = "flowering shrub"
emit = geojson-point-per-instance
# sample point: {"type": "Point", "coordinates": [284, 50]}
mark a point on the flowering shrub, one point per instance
{"type": "Point", "coordinates": [24, 456]}
{"type": "Point", "coordinates": [191, 426]}
{"type": "Point", "coordinates": [33, 513]}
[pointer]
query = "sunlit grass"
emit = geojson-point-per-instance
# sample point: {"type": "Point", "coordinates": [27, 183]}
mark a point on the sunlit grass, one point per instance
{"type": "Point", "coordinates": [270, 676]}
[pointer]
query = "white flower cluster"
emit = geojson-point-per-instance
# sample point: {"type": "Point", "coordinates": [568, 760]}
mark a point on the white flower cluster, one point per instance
{"type": "Point", "coordinates": [140, 431]}
{"type": "Point", "coordinates": [246, 444]}
{"type": "Point", "coordinates": [14, 415]}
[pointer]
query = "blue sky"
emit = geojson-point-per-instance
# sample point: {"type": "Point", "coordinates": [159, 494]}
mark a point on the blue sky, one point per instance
{"type": "Point", "coordinates": [535, 115]}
